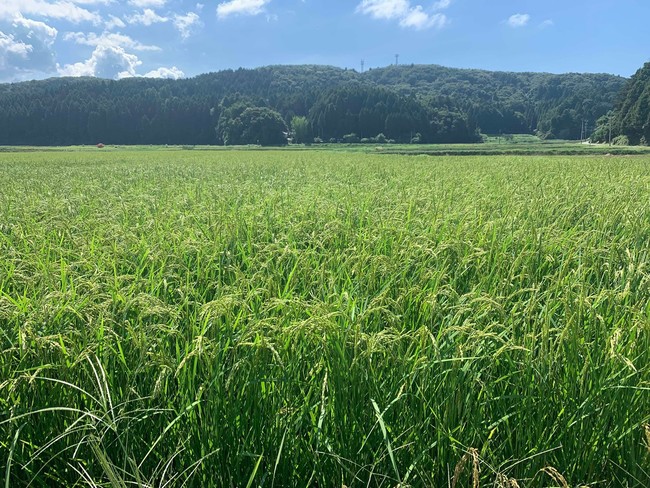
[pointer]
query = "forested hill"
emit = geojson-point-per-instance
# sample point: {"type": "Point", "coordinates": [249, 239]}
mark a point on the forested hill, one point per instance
{"type": "Point", "coordinates": [633, 114]}
{"type": "Point", "coordinates": [421, 102]}
{"type": "Point", "coordinates": [505, 102]}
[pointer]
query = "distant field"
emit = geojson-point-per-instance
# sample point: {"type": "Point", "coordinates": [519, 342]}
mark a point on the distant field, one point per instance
{"type": "Point", "coordinates": [517, 145]}
{"type": "Point", "coordinates": [323, 318]}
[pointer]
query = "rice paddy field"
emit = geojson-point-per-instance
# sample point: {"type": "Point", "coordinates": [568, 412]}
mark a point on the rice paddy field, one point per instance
{"type": "Point", "coordinates": [323, 319]}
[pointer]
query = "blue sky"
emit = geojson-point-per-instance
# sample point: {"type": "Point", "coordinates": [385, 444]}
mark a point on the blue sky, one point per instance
{"type": "Point", "coordinates": [179, 38]}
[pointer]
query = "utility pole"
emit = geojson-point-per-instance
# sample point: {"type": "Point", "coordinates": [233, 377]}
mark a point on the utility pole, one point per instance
{"type": "Point", "coordinates": [396, 59]}
{"type": "Point", "coordinates": [582, 129]}
{"type": "Point", "coordinates": [610, 130]}
{"type": "Point", "coordinates": [362, 65]}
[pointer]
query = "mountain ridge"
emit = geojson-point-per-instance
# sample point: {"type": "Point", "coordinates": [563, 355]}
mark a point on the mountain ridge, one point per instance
{"type": "Point", "coordinates": [61, 111]}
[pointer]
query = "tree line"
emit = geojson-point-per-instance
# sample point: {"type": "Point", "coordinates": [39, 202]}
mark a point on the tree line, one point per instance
{"type": "Point", "coordinates": [419, 103]}
{"type": "Point", "coordinates": [629, 122]}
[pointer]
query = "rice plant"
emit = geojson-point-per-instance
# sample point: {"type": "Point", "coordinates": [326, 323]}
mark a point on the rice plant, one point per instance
{"type": "Point", "coordinates": [316, 318]}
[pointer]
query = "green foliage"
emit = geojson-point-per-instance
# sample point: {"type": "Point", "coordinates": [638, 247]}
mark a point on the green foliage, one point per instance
{"type": "Point", "coordinates": [443, 104]}
{"type": "Point", "coordinates": [312, 318]}
{"type": "Point", "coordinates": [631, 119]}
{"type": "Point", "coordinates": [351, 138]}
{"type": "Point", "coordinates": [366, 110]}
{"type": "Point", "coordinates": [621, 141]}
{"type": "Point", "coordinates": [605, 128]}
{"type": "Point", "coordinates": [242, 123]}
{"type": "Point", "coordinates": [633, 116]}
{"type": "Point", "coordinates": [500, 102]}
{"type": "Point", "coordinates": [301, 130]}
{"type": "Point", "coordinates": [263, 126]}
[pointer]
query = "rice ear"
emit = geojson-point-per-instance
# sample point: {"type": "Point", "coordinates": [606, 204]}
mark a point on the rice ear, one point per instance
{"type": "Point", "coordinates": [472, 454]}
{"type": "Point", "coordinates": [555, 475]}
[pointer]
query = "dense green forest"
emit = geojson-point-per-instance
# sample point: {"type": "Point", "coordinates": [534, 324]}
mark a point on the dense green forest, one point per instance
{"type": "Point", "coordinates": [417, 103]}
{"type": "Point", "coordinates": [629, 123]}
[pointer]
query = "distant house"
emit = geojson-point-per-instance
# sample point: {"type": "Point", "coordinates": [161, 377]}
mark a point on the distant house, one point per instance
{"type": "Point", "coordinates": [100, 145]}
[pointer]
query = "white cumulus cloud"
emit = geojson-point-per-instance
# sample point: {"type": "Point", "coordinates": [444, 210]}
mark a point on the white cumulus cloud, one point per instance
{"type": "Point", "coordinates": [26, 48]}
{"type": "Point", "coordinates": [106, 61]}
{"type": "Point", "coordinates": [185, 24]}
{"type": "Point", "coordinates": [147, 17]}
{"type": "Point", "coordinates": [35, 29]}
{"type": "Point", "coordinates": [147, 3]}
{"type": "Point", "coordinates": [114, 22]}
{"type": "Point", "coordinates": [60, 10]}
{"type": "Point", "coordinates": [93, 2]}
{"type": "Point", "coordinates": [108, 39]}
{"type": "Point", "coordinates": [408, 15]}
{"type": "Point", "coordinates": [9, 46]}
{"type": "Point", "coordinates": [384, 9]}
{"type": "Point", "coordinates": [441, 4]}
{"type": "Point", "coordinates": [518, 20]}
{"type": "Point", "coordinates": [111, 60]}
{"type": "Point", "coordinates": [172, 73]}
{"type": "Point", "coordinates": [241, 7]}
{"type": "Point", "coordinates": [418, 19]}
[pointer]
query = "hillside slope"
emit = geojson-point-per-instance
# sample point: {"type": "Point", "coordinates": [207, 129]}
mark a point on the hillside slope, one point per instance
{"type": "Point", "coordinates": [456, 103]}
{"type": "Point", "coordinates": [633, 117]}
